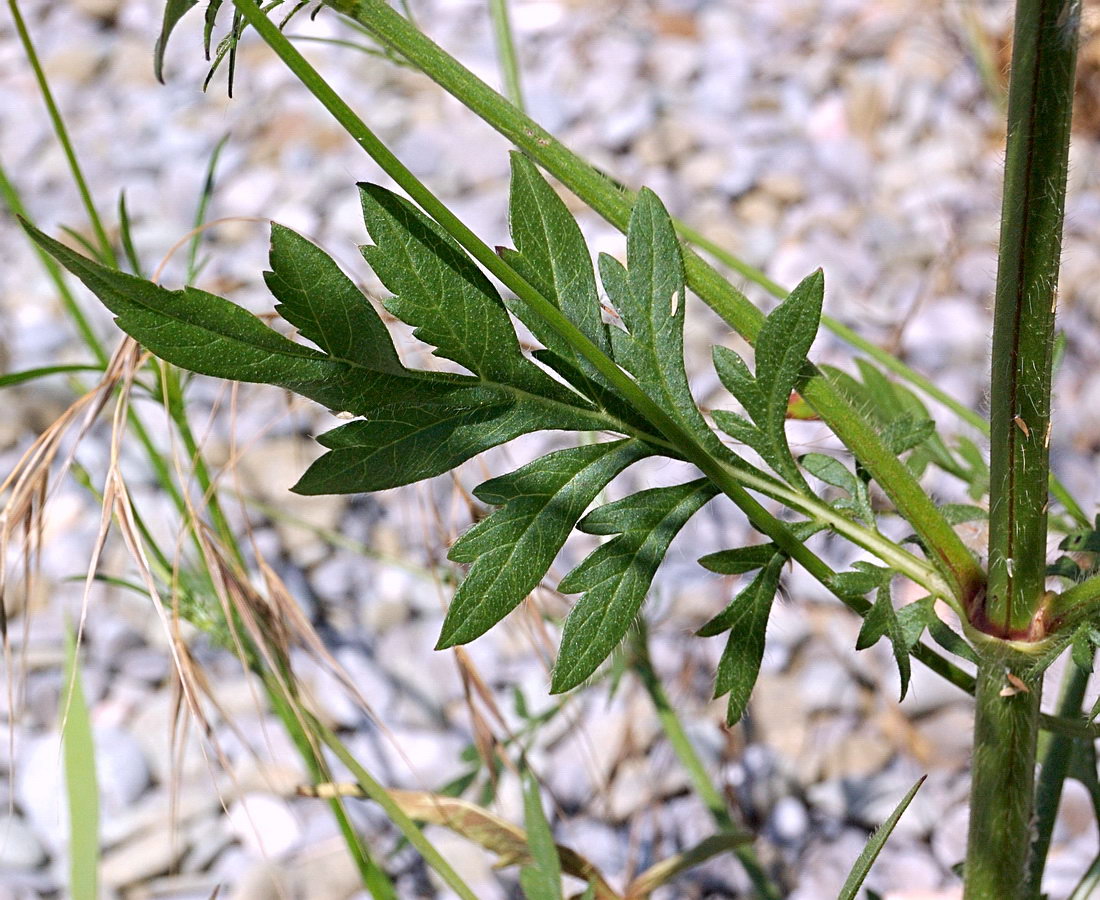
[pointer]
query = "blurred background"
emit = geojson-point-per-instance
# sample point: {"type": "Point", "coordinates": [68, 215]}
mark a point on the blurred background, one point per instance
{"type": "Point", "coordinates": [862, 136]}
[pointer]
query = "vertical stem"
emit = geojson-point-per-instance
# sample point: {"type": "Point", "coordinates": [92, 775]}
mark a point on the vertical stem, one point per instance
{"type": "Point", "coordinates": [506, 50]}
{"type": "Point", "coordinates": [1052, 775]}
{"type": "Point", "coordinates": [689, 758]}
{"type": "Point", "coordinates": [1005, 731]}
{"type": "Point", "coordinates": [1040, 105]}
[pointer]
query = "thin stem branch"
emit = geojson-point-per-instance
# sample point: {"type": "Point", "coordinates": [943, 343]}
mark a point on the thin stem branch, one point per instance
{"type": "Point", "coordinates": [58, 121]}
{"type": "Point", "coordinates": [1040, 104]}
{"type": "Point", "coordinates": [1052, 776]}
{"type": "Point", "coordinates": [685, 751]}
{"type": "Point", "coordinates": [506, 51]}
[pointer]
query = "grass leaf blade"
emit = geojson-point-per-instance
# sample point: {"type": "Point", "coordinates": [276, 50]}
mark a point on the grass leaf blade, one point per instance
{"type": "Point", "coordinates": [870, 853]}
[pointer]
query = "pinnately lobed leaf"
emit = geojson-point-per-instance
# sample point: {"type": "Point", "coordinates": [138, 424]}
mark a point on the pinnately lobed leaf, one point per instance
{"type": "Point", "coordinates": [552, 256]}
{"type": "Point", "coordinates": [782, 345]}
{"type": "Point", "coordinates": [417, 423]}
{"type": "Point", "coordinates": [512, 549]}
{"type": "Point", "coordinates": [649, 295]}
{"type": "Point", "coordinates": [746, 620]}
{"type": "Point", "coordinates": [616, 576]}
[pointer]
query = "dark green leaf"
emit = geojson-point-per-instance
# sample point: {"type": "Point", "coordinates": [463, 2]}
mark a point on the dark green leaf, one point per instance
{"type": "Point", "coordinates": [552, 256]}
{"type": "Point", "coordinates": [324, 305]}
{"type": "Point", "coordinates": [870, 853]}
{"type": "Point", "coordinates": [864, 578]}
{"type": "Point", "coordinates": [950, 640]}
{"type": "Point", "coordinates": [746, 559]}
{"type": "Point", "coordinates": [883, 619]}
{"type": "Point", "coordinates": [420, 423]}
{"type": "Point", "coordinates": [746, 619]}
{"type": "Point", "coordinates": [173, 11]}
{"type": "Point", "coordinates": [511, 550]}
{"type": "Point", "coordinates": [1065, 567]}
{"type": "Point", "coordinates": [616, 576]}
{"type": "Point", "coordinates": [210, 335]}
{"type": "Point", "coordinates": [438, 289]}
{"type": "Point", "coordinates": [649, 296]}
{"type": "Point", "coordinates": [1085, 540]}
{"type": "Point", "coordinates": [542, 879]}
{"type": "Point", "coordinates": [781, 348]}
{"type": "Point", "coordinates": [427, 436]}
{"type": "Point", "coordinates": [740, 560]}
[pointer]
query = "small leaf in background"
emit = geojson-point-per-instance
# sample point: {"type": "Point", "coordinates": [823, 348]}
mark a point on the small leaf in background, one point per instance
{"type": "Point", "coordinates": [863, 578]}
{"type": "Point", "coordinates": [81, 782]}
{"type": "Point", "coordinates": [1083, 647]}
{"type": "Point", "coordinates": [878, 840]}
{"type": "Point", "coordinates": [883, 619]}
{"type": "Point", "coordinates": [907, 432]}
{"type": "Point", "coordinates": [512, 549]}
{"type": "Point", "coordinates": [173, 11]}
{"type": "Point", "coordinates": [552, 256]}
{"type": "Point", "coordinates": [833, 472]}
{"type": "Point", "coordinates": [1084, 540]}
{"type": "Point", "coordinates": [542, 879]}
{"type": "Point", "coordinates": [739, 560]}
{"type": "Point", "coordinates": [746, 620]}
{"type": "Point", "coordinates": [616, 576]}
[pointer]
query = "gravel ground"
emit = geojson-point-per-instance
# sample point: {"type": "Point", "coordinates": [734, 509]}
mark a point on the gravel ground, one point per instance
{"type": "Point", "coordinates": [856, 135]}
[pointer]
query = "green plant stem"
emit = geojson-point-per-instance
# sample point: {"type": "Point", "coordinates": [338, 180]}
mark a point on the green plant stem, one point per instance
{"type": "Point", "coordinates": [376, 792]}
{"type": "Point", "coordinates": [1076, 604]}
{"type": "Point", "coordinates": [1006, 726]}
{"type": "Point", "coordinates": [1040, 104]}
{"type": "Point", "coordinates": [1052, 775]}
{"type": "Point", "coordinates": [506, 51]}
{"type": "Point", "coordinates": [106, 248]}
{"type": "Point", "coordinates": [885, 359]}
{"type": "Point", "coordinates": [392, 31]}
{"type": "Point", "coordinates": [373, 878]}
{"type": "Point", "coordinates": [689, 758]}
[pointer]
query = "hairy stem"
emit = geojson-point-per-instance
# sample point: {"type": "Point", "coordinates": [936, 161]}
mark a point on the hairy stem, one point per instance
{"type": "Point", "coordinates": [1003, 777]}
{"type": "Point", "coordinates": [1040, 105]}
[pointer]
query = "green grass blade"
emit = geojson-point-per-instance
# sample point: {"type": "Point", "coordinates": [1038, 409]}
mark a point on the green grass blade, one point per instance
{"type": "Point", "coordinates": [13, 378]}
{"type": "Point", "coordinates": [542, 879]}
{"type": "Point", "coordinates": [80, 781]}
{"type": "Point", "coordinates": [874, 846]}
{"type": "Point", "coordinates": [62, 132]}
{"type": "Point", "coordinates": [506, 51]}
